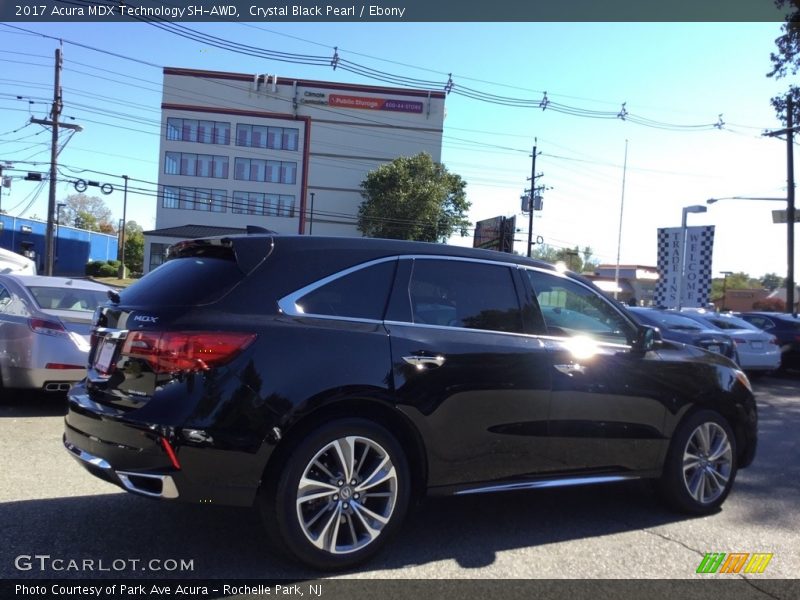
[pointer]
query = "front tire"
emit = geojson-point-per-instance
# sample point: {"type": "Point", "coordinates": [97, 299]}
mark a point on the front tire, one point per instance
{"type": "Point", "coordinates": [701, 464]}
{"type": "Point", "coordinates": [342, 492]}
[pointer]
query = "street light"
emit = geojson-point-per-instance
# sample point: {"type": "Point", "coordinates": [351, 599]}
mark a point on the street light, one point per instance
{"type": "Point", "coordinates": [311, 220]}
{"type": "Point", "coordinates": [790, 306]}
{"type": "Point", "coordinates": [697, 208]}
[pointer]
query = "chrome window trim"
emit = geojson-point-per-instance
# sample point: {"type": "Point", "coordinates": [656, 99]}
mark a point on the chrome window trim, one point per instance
{"type": "Point", "coordinates": [288, 304]}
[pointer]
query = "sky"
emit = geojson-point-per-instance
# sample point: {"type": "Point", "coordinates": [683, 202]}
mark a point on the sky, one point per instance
{"type": "Point", "coordinates": [676, 81]}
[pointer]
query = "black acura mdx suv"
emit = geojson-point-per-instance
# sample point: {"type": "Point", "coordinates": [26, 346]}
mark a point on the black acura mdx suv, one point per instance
{"type": "Point", "coordinates": [333, 381]}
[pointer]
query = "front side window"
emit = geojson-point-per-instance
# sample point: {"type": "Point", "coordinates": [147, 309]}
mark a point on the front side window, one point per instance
{"type": "Point", "coordinates": [361, 294]}
{"type": "Point", "coordinates": [471, 295]}
{"type": "Point", "coordinates": [570, 309]}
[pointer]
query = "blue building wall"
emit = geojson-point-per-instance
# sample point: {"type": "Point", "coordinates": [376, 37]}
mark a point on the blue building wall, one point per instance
{"type": "Point", "coordinates": [73, 247]}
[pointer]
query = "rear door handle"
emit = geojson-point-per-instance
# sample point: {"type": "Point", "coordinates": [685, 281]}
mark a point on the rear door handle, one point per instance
{"type": "Point", "coordinates": [425, 362]}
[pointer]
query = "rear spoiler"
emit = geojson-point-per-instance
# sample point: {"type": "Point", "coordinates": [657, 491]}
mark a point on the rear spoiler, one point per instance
{"type": "Point", "coordinates": [248, 251]}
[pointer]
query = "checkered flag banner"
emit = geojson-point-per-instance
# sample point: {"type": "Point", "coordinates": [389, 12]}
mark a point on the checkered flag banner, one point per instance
{"type": "Point", "coordinates": [696, 286]}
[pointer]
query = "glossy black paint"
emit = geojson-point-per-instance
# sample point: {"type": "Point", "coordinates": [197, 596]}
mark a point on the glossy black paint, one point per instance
{"type": "Point", "coordinates": [501, 407]}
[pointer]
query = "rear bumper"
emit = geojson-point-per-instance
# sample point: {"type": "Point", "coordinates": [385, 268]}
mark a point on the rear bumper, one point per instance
{"type": "Point", "coordinates": [132, 455]}
{"type": "Point", "coordinates": [152, 485]}
{"type": "Point", "coordinates": [41, 379]}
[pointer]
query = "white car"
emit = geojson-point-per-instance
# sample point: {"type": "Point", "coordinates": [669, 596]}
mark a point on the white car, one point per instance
{"type": "Point", "coordinates": [759, 352]}
{"type": "Point", "coordinates": [11, 262]}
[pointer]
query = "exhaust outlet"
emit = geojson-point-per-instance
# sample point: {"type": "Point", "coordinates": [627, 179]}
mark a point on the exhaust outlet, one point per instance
{"type": "Point", "coordinates": [56, 387]}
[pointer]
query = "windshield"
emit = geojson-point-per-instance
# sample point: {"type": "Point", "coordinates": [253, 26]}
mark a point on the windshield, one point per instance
{"type": "Point", "coordinates": [730, 322]}
{"type": "Point", "coordinates": [667, 320]}
{"type": "Point", "coordinates": [67, 298]}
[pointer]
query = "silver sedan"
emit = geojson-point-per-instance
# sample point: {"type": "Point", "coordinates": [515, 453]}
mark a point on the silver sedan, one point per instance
{"type": "Point", "coordinates": [44, 330]}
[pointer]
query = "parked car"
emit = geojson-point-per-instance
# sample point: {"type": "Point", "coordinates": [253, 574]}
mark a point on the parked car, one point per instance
{"type": "Point", "coordinates": [44, 330]}
{"type": "Point", "coordinates": [785, 327]}
{"type": "Point", "coordinates": [757, 350]}
{"type": "Point", "coordinates": [681, 328]}
{"type": "Point", "coordinates": [332, 381]}
{"type": "Point", "coordinates": [11, 262]}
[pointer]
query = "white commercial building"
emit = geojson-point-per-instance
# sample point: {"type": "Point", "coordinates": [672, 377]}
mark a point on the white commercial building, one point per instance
{"type": "Point", "coordinates": [285, 154]}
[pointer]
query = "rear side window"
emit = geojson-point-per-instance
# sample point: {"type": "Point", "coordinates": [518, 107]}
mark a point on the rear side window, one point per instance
{"type": "Point", "coordinates": [465, 294]}
{"type": "Point", "coordinates": [361, 294]}
{"type": "Point", "coordinates": [570, 309]}
{"type": "Point", "coordinates": [186, 281]}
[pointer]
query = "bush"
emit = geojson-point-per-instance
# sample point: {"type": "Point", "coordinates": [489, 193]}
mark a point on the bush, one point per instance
{"type": "Point", "coordinates": [770, 305]}
{"type": "Point", "coordinates": [102, 268]}
{"type": "Point", "coordinates": [107, 270]}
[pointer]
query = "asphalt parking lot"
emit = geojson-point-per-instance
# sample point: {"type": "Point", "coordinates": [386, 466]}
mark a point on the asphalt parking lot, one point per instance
{"type": "Point", "coordinates": [50, 506]}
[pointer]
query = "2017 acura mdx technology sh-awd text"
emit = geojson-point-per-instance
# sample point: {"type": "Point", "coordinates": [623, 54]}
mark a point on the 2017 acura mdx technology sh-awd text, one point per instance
{"type": "Point", "coordinates": [331, 382]}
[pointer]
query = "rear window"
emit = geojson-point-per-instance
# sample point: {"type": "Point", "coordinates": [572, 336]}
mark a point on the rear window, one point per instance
{"type": "Point", "coordinates": [66, 298]}
{"type": "Point", "coordinates": [186, 281]}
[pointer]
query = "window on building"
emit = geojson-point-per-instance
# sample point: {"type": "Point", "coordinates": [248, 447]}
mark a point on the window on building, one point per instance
{"type": "Point", "coordinates": [194, 199]}
{"type": "Point", "coordinates": [200, 131]}
{"type": "Point", "coordinates": [158, 254]}
{"type": "Point", "coordinates": [274, 138]}
{"type": "Point", "coordinates": [269, 171]}
{"type": "Point", "coordinates": [290, 137]}
{"type": "Point", "coordinates": [270, 205]}
{"type": "Point", "coordinates": [196, 165]}
{"type": "Point", "coordinates": [286, 206]}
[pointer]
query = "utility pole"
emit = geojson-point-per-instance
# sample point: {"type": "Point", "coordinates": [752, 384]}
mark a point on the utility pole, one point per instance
{"type": "Point", "coordinates": [790, 211]}
{"type": "Point", "coordinates": [49, 245]}
{"type": "Point", "coordinates": [121, 274]}
{"type": "Point", "coordinates": [532, 201]}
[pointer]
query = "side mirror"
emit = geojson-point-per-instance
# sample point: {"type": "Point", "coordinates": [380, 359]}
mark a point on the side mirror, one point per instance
{"type": "Point", "coordinates": [646, 339]}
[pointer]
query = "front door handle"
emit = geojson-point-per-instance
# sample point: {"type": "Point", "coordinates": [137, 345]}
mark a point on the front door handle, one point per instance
{"type": "Point", "coordinates": [425, 362]}
{"type": "Point", "coordinates": [570, 369]}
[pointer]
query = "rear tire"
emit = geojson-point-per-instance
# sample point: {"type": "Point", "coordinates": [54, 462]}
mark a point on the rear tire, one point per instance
{"type": "Point", "coordinates": [341, 494]}
{"type": "Point", "coordinates": [701, 464]}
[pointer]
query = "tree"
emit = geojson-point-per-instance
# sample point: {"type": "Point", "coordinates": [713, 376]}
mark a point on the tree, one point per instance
{"type": "Point", "coordinates": [134, 247]}
{"type": "Point", "coordinates": [87, 212]}
{"type": "Point", "coordinates": [772, 281]}
{"type": "Point", "coordinates": [735, 281]}
{"type": "Point", "coordinates": [575, 259]}
{"type": "Point", "coordinates": [786, 60]}
{"type": "Point", "coordinates": [413, 198]}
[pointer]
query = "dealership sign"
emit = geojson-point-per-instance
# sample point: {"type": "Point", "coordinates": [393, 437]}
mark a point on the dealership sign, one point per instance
{"type": "Point", "coordinates": [696, 286]}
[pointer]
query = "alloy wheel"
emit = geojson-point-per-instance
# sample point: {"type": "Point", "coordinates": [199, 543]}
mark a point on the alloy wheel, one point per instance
{"type": "Point", "coordinates": [346, 495]}
{"type": "Point", "coordinates": [707, 462]}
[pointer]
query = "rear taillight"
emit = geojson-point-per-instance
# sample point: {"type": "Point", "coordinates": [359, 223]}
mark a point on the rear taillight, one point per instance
{"type": "Point", "coordinates": [63, 366]}
{"type": "Point", "coordinates": [774, 340]}
{"type": "Point", "coordinates": [46, 327]}
{"type": "Point", "coordinates": [739, 341]}
{"type": "Point", "coordinates": [186, 351]}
